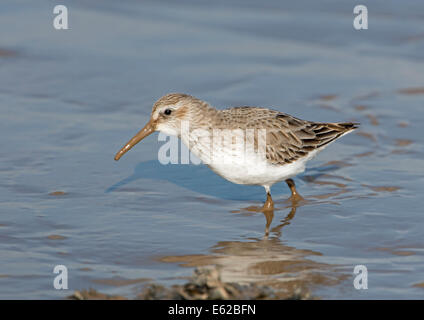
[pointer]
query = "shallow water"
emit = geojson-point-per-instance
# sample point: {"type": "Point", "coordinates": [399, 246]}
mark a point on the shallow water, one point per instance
{"type": "Point", "coordinates": [70, 99]}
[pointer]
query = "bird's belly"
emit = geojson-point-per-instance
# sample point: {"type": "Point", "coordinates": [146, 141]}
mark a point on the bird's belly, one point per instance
{"type": "Point", "coordinates": [257, 173]}
{"type": "Point", "coordinates": [241, 167]}
{"type": "Point", "coordinates": [256, 170]}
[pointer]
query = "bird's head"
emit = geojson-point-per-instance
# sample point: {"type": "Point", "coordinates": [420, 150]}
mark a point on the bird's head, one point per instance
{"type": "Point", "coordinates": [168, 113]}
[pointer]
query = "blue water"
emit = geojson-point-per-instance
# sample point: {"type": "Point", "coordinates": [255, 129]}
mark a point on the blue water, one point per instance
{"type": "Point", "coordinates": [69, 99]}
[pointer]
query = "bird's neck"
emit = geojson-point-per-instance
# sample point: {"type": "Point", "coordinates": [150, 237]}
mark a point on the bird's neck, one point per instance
{"type": "Point", "coordinates": [204, 117]}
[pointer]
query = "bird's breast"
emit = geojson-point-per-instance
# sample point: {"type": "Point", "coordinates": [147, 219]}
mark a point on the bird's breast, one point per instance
{"type": "Point", "coordinates": [237, 158]}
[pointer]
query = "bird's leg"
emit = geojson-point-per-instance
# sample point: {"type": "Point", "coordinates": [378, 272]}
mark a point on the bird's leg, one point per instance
{"type": "Point", "coordinates": [269, 204]}
{"type": "Point", "coordinates": [269, 215]}
{"type": "Point", "coordinates": [294, 196]}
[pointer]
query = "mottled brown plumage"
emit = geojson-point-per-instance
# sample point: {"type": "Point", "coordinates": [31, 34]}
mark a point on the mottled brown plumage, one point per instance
{"type": "Point", "coordinates": [290, 142]}
{"type": "Point", "coordinates": [288, 138]}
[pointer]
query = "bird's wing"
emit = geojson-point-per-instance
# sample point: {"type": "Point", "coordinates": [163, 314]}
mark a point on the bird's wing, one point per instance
{"type": "Point", "coordinates": [288, 138]}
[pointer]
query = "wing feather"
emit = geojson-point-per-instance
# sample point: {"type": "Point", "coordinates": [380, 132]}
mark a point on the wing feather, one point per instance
{"type": "Point", "coordinates": [288, 138]}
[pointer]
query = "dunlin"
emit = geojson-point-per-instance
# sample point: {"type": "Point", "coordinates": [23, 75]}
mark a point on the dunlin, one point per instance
{"type": "Point", "coordinates": [288, 142]}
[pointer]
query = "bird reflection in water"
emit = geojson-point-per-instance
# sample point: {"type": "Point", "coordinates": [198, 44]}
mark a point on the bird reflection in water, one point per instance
{"type": "Point", "coordinates": [266, 261]}
{"type": "Point", "coordinates": [293, 203]}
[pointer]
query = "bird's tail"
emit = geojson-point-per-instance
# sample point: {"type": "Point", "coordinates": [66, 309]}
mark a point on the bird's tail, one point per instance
{"type": "Point", "coordinates": [328, 132]}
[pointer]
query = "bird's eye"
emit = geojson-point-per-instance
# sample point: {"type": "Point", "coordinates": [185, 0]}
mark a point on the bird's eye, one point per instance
{"type": "Point", "coordinates": [167, 112]}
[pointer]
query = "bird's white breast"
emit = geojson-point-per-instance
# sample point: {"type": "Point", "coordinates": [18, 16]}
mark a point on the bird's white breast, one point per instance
{"type": "Point", "coordinates": [239, 164]}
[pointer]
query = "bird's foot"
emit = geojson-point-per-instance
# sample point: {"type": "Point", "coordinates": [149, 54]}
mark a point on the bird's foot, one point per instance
{"type": "Point", "coordinates": [295, 198]}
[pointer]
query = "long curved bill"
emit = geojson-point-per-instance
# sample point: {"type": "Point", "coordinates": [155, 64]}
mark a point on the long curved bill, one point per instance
{"type": "Point", "coordinates": [148, 129]}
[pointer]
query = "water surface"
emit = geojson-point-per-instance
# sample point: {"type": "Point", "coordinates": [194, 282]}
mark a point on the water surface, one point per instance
{"type": "Point", "coordinates": [70, 99]}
